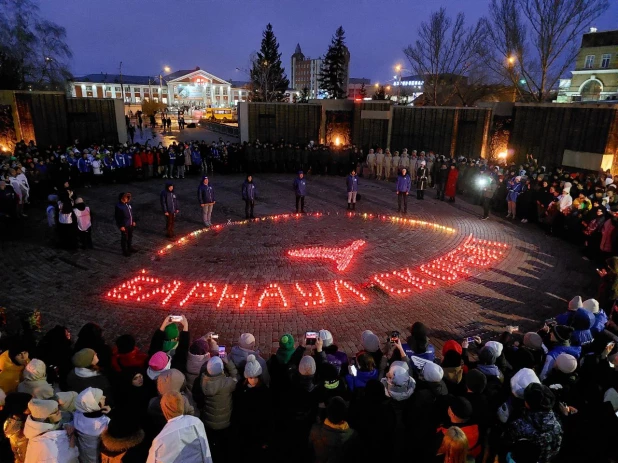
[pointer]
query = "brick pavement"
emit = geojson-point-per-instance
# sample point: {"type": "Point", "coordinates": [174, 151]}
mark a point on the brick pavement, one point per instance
{"type": "Point", "coordinates": [532, 282]}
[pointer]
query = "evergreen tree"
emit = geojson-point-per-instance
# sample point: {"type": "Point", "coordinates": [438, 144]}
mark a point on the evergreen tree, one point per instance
{"type": "Point", "coordinates": [334, 70]}
{"type": "Point", "coordinates": [268, 78]}
{"type": "Point", "coordinates": [363, 91]}
{"type": "Point", "coordinates": [380, 93]}
{"type": "Point", "coordinates": [304, 95]}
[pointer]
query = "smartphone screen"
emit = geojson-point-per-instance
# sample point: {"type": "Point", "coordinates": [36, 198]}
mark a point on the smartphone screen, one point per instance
{"type": "Point", "coordinates": [470, 339]}
{"type": "Point", "coordinates": [222, 351]}
{"type": "Point", "coordinates": [310, 338]}
{"type": "Point", "coordinates": [352, 370]}
{"type": "Point", "coordinates": [175, 318]}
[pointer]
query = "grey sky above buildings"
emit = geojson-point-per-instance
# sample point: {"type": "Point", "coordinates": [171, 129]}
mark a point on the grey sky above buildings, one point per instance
{"type": "Point", "coordinates": [219, 35]}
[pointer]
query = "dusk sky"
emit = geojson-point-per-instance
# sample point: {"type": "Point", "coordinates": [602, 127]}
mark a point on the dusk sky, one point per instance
{"type": "Point", "coordinates": [219, 36]}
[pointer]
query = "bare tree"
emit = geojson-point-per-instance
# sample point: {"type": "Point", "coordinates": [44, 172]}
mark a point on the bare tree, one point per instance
{"type": "Point", "coordinates": [536, 41]}
{"type": "Point", "coordinates": [448, 55]}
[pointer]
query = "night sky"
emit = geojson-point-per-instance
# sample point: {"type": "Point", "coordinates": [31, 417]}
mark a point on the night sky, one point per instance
{"type": "Point", "coordinates": [219, 35]}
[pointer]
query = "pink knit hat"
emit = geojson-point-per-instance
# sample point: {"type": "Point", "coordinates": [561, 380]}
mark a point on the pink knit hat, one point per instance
{"type": "Point", "coordinates": [158, 361]}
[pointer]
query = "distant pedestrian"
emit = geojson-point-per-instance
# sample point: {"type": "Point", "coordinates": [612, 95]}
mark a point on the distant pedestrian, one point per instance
{"type": "Point", "coordinates": [403, 189]}
{"type": "Point", "coordinates": [489, 188]}
{"type": "Point", "coordinates": [169, 123]}
{"type": "Point", "coordinates": [451, 183]}
{"type": "Point", "coordinates": [84, 223]}
{"type": "Point", "coordinates": [125, 222]}
{"type": "Point", "coordinates": [422, 180]}
{"type": "Point", "coordinates": [300, 188]}
{"type": "Point", "coordinates": [206, 198]}
{"type": "Point", "coordinates": [169, 204]}
{"type": "Point", "coordinates": [131, 132]}
{"type": "Point", "coordinates": [352, 187]}
{"type": "Point", "coordinates": [249, 194]}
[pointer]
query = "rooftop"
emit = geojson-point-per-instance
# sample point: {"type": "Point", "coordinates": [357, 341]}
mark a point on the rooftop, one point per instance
{"type": "Point", "coordinates": [600, 39]}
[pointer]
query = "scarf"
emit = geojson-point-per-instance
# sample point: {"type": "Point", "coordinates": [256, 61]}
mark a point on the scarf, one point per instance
{"type": "Point", "coordinates": [343, 426]}
{"type": "Point", "coordinates": [85, 372]}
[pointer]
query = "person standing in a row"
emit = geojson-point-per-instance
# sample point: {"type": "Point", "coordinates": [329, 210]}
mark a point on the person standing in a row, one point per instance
{"type": "Point", "coordinates": [352, 186]}
{"type": "Point", "coordinates": [300, 188]}
{"type": "Point", "coordinates": [249, 195]}
{"type": "Point", "coordinates": [206, 198]}
{"type": "Point", "coordinates": [169, 204]}
{"type": "Point", "coordinates": [403, 189]}
{"type": "Point", "coordinates": [125, 222]}
{"type": "Point", "coordinates": [422, 177]}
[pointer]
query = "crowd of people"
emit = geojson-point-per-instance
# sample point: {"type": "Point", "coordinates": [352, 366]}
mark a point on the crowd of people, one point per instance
{"type": "Point", "coordinates": [535, 397]}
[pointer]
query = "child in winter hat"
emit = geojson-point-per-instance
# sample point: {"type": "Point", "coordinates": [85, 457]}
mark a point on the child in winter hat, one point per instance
{"type": "Point", "coordinates": [253, 369]}
{"type": "Point", "coordinates": [214, 367]}
{"type": "Point", "coordinates": [171, 337]}
{"type": "Point", "coordinates": [307, 366]}
{"type": "Point", "coordinates": [566, 363]}
{"type": "Point", "coordinates": [521, 380]}
{"type": "Point", "coordinates": [157, 364]}
{"type": "Point", "coordinates": [247, 341]}
{"type": "Point", "coordinates": [370, 342]}
{"type": "Point", "coordinates": [286, 348]}
{"type": "Point", "coordinates": [432, 373]}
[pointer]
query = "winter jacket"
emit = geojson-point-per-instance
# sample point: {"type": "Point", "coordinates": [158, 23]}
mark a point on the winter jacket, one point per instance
{"type": "Point", "coordinates": [333, 443]}
{"type": "Point", "coordinates": [169, 202]}
{"type": "Point", "coordinates": [249, 191]}
{"type": "Point", "coordinates": [600, 320]}
{"type": "Point", "coordinates": [300, 186]}
{"type": "Point", "coordinates": [399, 393]}
{"type": "Point", "coordinates": [124, 215]}
{"type": "Point", "coordinates": [238, 355]}
{"type": "Point", "coordinates": [48, 445]}
{"type": "Point", "coordinates": [352, 183]}
{"type": "Point", "coordinates": [133, 359]}
{"type": "Point", "coordinates": [217, 392]}
{"type": "Point", "coordinates": [205, 194]}
{"type": "Point", "coordinates": [515, 190]}
{"type": "Point", "coordinates": [403, 183]}
{"type": "Point", "coordinates": [89, 435]}
{"type": "Point", "coordinates": [77, 381]}
{"type": "Point", "coordinates": [540, 428]}
{"type": "Point", "coordinates": [183, 439]}
{"type": "Point", "coordinates": [10, 373]}
{"type": "Point", "coordinates": [360, 380]}
{"type": "Point", "coordinates": [194, 366]}
{"type": "Point", "coordinates": [553, 354]}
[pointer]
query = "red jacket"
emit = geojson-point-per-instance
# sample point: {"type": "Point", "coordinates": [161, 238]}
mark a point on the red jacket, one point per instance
{"type": "Point", "coordinates": [137, 161]}
{"type": "Point", "coordinates": [149, 158]}
{"type": "Point", "coordinates": [451, 183]}
{"type": "Point", "coordinates": [133, 359]}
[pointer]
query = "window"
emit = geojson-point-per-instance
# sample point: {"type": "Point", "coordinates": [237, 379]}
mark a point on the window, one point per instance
{"type": "Point", "coordinates": [117, 89]}
{"type": "Point", "coordinates": [164, 100]}
{"type": "Point", "coordinates": [138, 99]}
{"type": "Point", "coordinates": [589, 62]}
{"type": "Point", "coordinates": [605, 60]}
{"type": "Point", "coordinates": [89, 88]}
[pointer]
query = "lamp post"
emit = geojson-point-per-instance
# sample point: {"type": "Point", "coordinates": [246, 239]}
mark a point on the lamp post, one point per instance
{"type": "Point", "coordinates": [398, 69]}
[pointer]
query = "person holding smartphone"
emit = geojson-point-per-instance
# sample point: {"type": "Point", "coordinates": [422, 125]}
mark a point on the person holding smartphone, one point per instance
{"type": "Point", "coordinates": [172, 340]}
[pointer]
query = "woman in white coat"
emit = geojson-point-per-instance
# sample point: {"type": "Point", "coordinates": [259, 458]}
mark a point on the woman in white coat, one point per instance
{"type": "Point", "coordinates": [50, 434]}
{"type": "Point", "coordinates": [90, 420]}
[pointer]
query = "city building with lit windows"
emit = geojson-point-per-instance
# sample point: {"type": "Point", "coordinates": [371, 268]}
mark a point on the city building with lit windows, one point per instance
{"type": "Point", "coordinates": [194, 88]}
{"type": "Point", "coordinates": [305, 73]}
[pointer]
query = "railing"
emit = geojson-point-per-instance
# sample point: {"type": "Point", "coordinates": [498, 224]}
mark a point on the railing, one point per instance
{"type": "Point", "coordinates": [230, 130]}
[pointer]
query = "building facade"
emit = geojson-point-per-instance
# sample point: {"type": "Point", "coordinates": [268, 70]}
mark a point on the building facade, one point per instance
{"type": "Point", "coordinates": [595, 77]}
{"type": "Point", "coordinates": [355, 85]}
{"type": "Point", "coordinates": [305, 73]}
{"type": "Point", "coordinates": [193, 88]}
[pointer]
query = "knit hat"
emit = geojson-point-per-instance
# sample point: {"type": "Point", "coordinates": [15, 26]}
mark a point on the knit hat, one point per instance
{"type": "Point", "coordinates": [561, 332]}
{"type": "Point", "coordinates": [214, 367]}
{"type": "Point", "coordinates": [171, 337]}
{"type": "Point", "coordinates": [461, 408]}
{"type": "Point", "coordinates": [611, 396]}
{"type": "Point", "coordinates": [495, 346]}
{"type": "Point", "coordinates": [521, 380]}
{"type": "Point", "coordinates": [172, 405]}
{"type": "Point", "coordinates": [566, 363]}
{"type": "Point", "coordinates": [170, 380]}
{"type": "Point", "coordinates": [42, 409]}
{"type": "Point", "coordinates": [44, 391]}
{"type": "Point", "coordinates": [533, 341]}
{"type": "Point", "coordinates": [286, 348]}
{"type": "Point", "coordinates": [157, 364]}
{"type": "Point", "coordinates": [575, 303]}
{"type": "Point", "coordinates": [488, 355]}
{"type": "Point", "coordinates": [330, 376]}
{"type": "Point", "coordinates": [83, 358]}
{"type": "Point", "coordinates": [253, 369]}
{"type": "Point", "coordinates": [326, 336]}
{"type": "Point", "coordinates": [451, 345]}
{"type": "Point", "coordinates": [66, 401]}
{"type": "Point", "coordinates": [476, 381]}
{"type": "Point", "coordinates": [432, 373]}
{"type": "Point", "coordinates": [397, 375]}
{"type": "Point", "coordinates": [88, 400]}
{"type": "Point", "coordinates": [539, 397]}
{"type": "Point", "coordinates": [247, 341]}
{"type": "Point", "coordinates": [591, 305]}
{"type": "Point", "coordinates": [35, 371]}
{"type": "Point", "coordinates": [307, 366]}
{"type": "Point", "coordinates": [370, 341]}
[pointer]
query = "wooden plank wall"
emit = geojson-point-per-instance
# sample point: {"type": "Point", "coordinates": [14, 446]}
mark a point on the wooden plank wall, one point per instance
{"type": "Point", "coordinates": [294, 123]}
{"type": "Point", "coordinates": [92, 120]}
{"type": "Point", "coordinates": [547, 130]}
{"type": "Point", "coordinates": [370, 133]}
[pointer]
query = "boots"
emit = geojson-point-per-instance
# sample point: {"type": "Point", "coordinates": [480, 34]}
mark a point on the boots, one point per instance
{"type": "Point", "coordinates": [353, 206]}
{"type": "Point", "coordinates": [349, 206]}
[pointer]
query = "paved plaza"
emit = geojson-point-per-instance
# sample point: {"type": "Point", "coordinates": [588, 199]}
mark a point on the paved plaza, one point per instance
{"type": "Point", "coordinates": [531, 280]}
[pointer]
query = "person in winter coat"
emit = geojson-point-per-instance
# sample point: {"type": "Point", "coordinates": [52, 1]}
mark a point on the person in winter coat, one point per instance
{"type": "Point", "coordinates": [170, 380]}
{"type": "Point", "coordinates": [84, 223]}
{"type": "Point", "coordinates": [441, 178]}
{"type": "Point", "coordinates": [249, 195]}
{"type": "Point", "coordinates": [459, 414]}
{"type": "Point", "coordinates": [398, 384]}
{"type": "Point", "coordinates": [333, 355]}
{"type": "Point", "coordinates": [16, 410]}
{"type": "Point", "coordinates": [240, 353]}
{"type": "Point", "coordinates": [538, 423]}
{"type": "Point", "coordinates": [50, 433]}
{"type": "Point", "coordinates": [87, 374]}
{"type": "Point", "coordinates": [253, 398]}
{"type": "Point", "coordinates": [91, 336]}
{"type": "Point", "coordinates": [333, 441]}
{"type": "Point", "coordinates": [352, 189]}
{"type": "Point", "coordinates": [371, 163]}
{"type": "Point", "coordinates": [182, 439]}
{"type": "Point", "coordinates": [489, 188]}
{"type": "Point", "coordinates": [206, 199]}
{"type": "Point", "coordinates": [454, 447]}
{"type": "Point", "coordinates": [403, 189]}
{"type": "Point", "coordinates": [35, 380]}
{"type": "Point", "coordinates": [558, 341]}
{"type": "Point", "coordinates": [199, 353]}
{"type": "Point", "coordinates": [515, 188]}
{"type": "Point", "coordinates": [388, 162]}
{"type": "Point", "coordinates": [126, 354]}
{"type": "Point", "coordinates": [55, 349]}
{"type": "Point", "coordinates": [300, 189]}
{"type": "Point", "coordinates": [365, 370]}
{"type": "Point", "coordinates": [600, 317]}
{"type": "Point", "coordinates": [169, 205]}
{"type": "Point", "coordinates": [171, 340]}
{"type": "Point", "coordinates": [90, 420]}
{"type": "Point", "coordinates": [12, 363]}
{"type": "Point", "coordinates": [422, 180]}
{"type": "Point", "coordinates": [124, 439]}
{"type": "Point", "coordinates": [125, 221]}
{"type": "Point", "coordinates": [451, 183]}
{"type": "Point", "coordinates": [281, 363]}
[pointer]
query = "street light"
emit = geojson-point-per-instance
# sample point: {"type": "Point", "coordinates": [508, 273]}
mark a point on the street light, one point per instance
{"type": "Point", "coordinates": [167, 69]}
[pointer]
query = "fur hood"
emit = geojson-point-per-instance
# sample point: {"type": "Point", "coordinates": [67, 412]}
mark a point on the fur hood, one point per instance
{"type": "Point", "coordinates": [116, 445]}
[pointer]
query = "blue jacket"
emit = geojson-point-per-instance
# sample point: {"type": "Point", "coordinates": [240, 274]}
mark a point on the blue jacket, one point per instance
{"type": "Point", "coordinates": [429, 354]}
{"type": "Point", "coordinates": [119, 160]}
{"type": "Point", "coordinates": [361, 379]}
{"type": "Point", "coordinates": [552, 355]}
{"type": "Point", "coordinates": [84, 165]}
{"type": "Point", "coordinates": [514, 191]}
{"type": "Point", "coordinates": [205, 193]}
{"type": "Point", "coordinates": [169, 202]}
{"type": "Point", "coordinates": [249, 191]}
{"type": "Point", "coordinates": [128, 159]}
{"type": "Point", "coordinates": [172, 154]}
{"type": "Point", "coordinates": [124, 215]}
{"type": "Point", "coordinates": [195, 156]}
{"type": "Point", "coordinates": [600, 319]}
{"type": "Point", "coordinates": [404, 183]}
{"type": "Point", "coordinates": [300, 186]}
{"type": "Point", "coordinates": [352, 183]}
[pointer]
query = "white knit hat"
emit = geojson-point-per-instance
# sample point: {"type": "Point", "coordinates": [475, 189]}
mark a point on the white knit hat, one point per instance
{"type": "Point", "coordinates": [397, 375]}
{"type": "Point", "coordinates": [247, 341]}
{"type": "Point", "coordinates": [575, 303]}
{"type": "Point", "coordinates": [214, 367]}
{"type": "Point", "coordinates": [520, 381]}
{"type": "Point", "coordinates": [307, 366]}
{"type": "Point", "coordinates": [326, 336]}
{"type": "Point", "coordinates": [88, 400]}
{"type": "Point", "coordinates": [432, 372]}
{"type": "Point", "coordinates": [566, 363]}
{"type": "Point", "coordinates": [370, 341]}
{"type": "Point", "coordinates": [591, 305]}
{"type": "Point", "coordinates": [495, 346]}
{"type": "Point", "coordinates": [253, 369]}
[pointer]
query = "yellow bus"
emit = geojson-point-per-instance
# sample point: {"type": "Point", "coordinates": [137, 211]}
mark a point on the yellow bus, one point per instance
{"type": "Point", "coordinates": [220, 114]}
